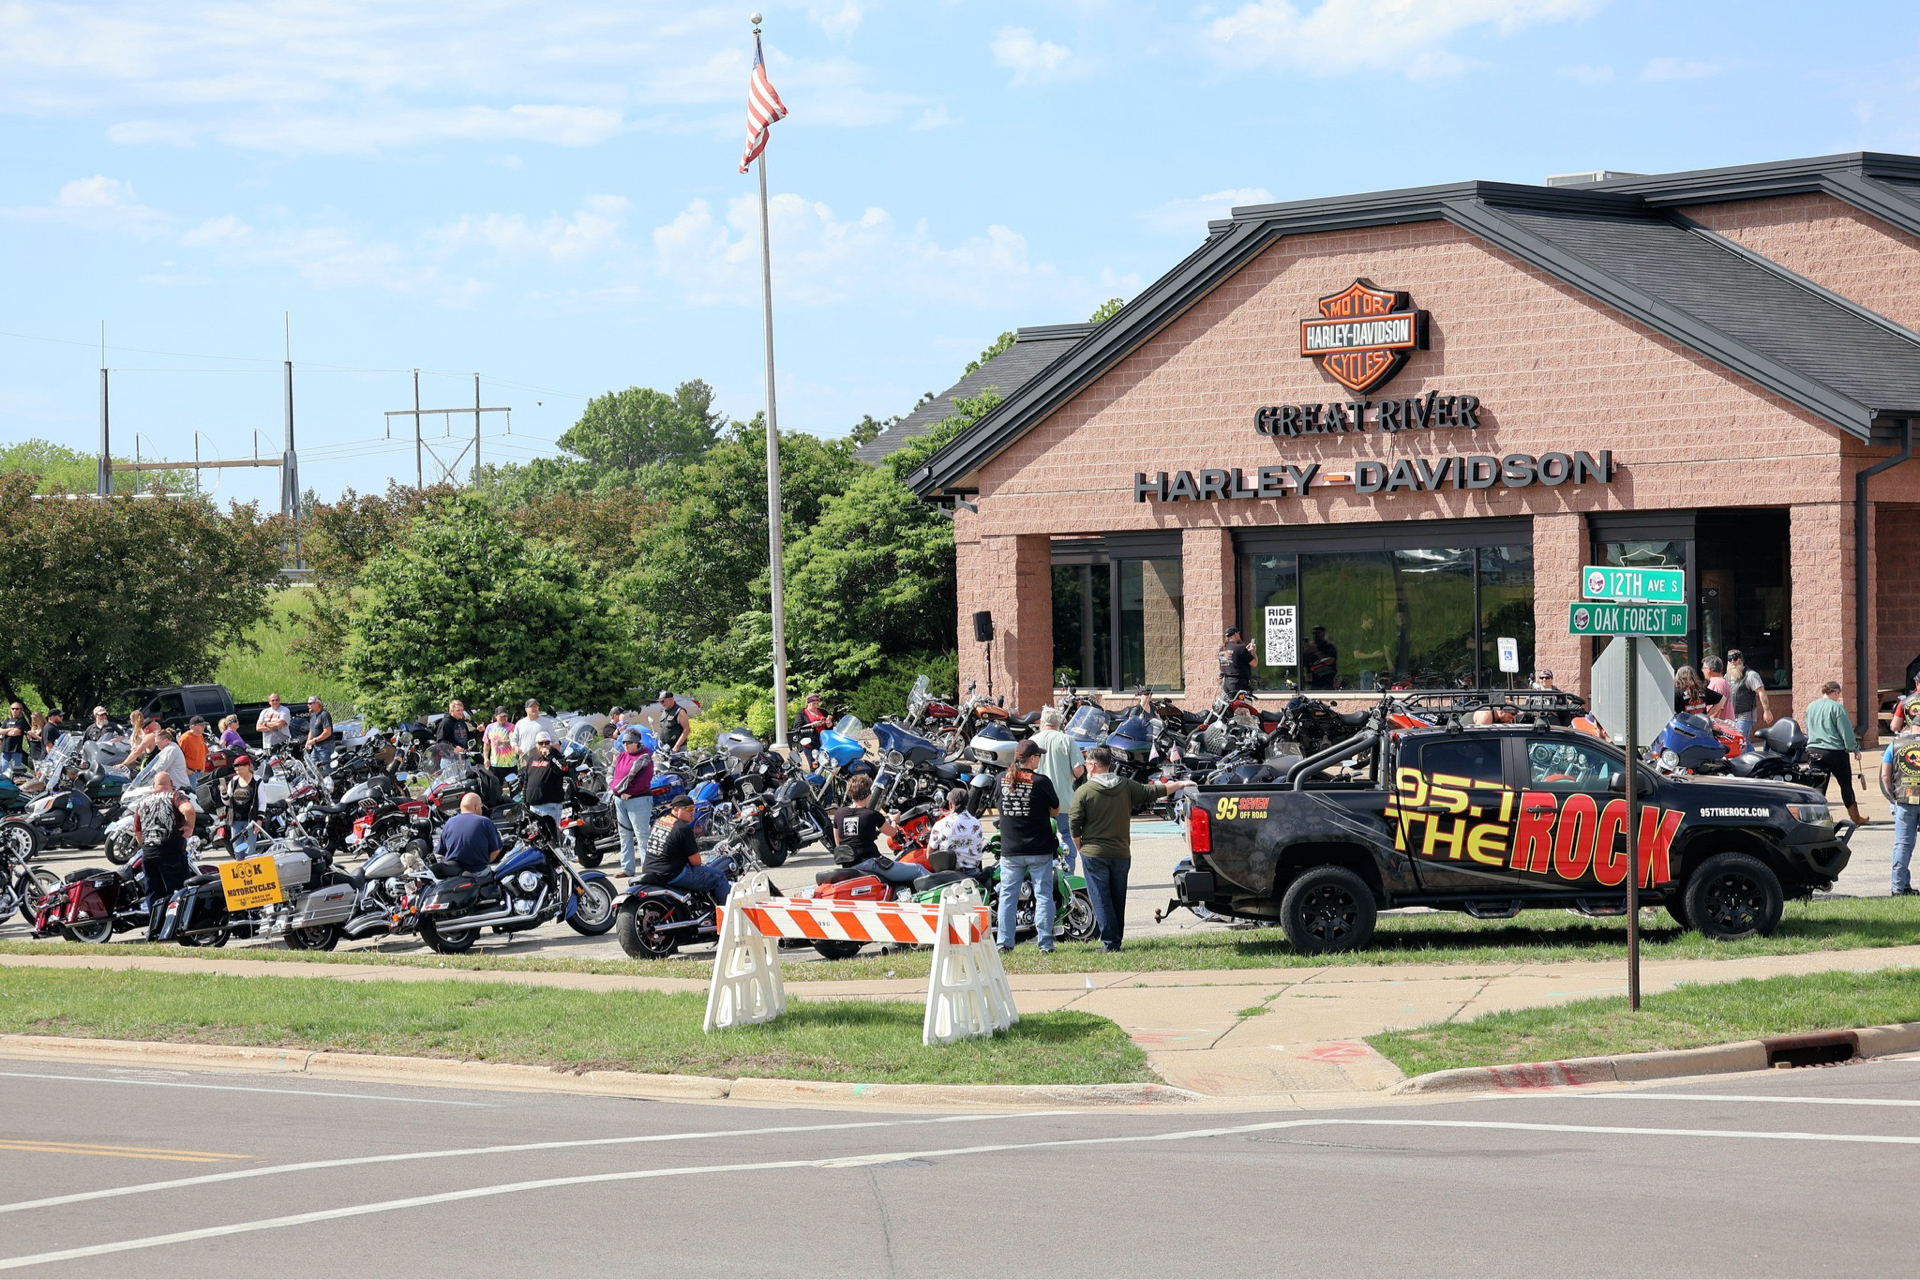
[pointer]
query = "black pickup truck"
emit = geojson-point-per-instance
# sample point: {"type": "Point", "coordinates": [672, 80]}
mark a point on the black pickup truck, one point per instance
{"type": "Point", "coordinates": [1494, 820]}
{"type": "Point", "coordinates": [176, 705]}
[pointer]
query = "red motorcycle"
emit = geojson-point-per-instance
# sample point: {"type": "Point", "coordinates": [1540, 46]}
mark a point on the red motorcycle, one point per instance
{"type": "Point", "coordinates": [93, 904]}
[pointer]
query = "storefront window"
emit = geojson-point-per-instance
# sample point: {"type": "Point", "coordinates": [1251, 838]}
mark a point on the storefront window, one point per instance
{"type": "Point", "coordinates": [1426, 617]}
{"type": "Point", "coordinates": [1152, 637]}
{"type": "Point", "coordinates": [1270, 580]}
{"type": "Point", "coordinates": [1082, 626]}
{"type": "Point", "coordinates": [1742, 592]}
{"type": "Point", "coordinates": [1506, 609]}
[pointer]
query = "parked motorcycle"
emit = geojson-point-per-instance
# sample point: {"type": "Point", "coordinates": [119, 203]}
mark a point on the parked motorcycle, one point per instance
{"type": "Point", "coordinates": [656, 920]}
{"type": "Point", "coordinates": [65, 815]}
{"type": "Point", "coordinates": [315, 901]}
{"type": "Point", "coordinates": [22, 885]}
{"type": "Point", "coordinates": [914, 771]}
{"type": "Point", "coordinates": [530, 885]}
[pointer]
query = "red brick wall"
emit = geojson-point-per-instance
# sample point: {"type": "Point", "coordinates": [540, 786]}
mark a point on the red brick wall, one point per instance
{"type": "Point", "coordinates": [1012, 577]}
{"type": "Point", "coordinates": [1896, 530]}
{"type": "Point", "coordinates": [1206, 563]}
{"type": "Point", "coordinates": [1821, 571]}
{"type": "Point", "coordinates": [1832, 244]}
{"type": "Point", "coordinates": [1555, 372]}
{"type": "Point", "coordinates": [1560, 548]}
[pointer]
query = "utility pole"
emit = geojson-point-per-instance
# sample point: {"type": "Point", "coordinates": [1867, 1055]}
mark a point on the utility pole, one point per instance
{"type": "Point", "coordinates": [105, 479]}
{"type": "Point", "coordinates": [289, 464]}
{"type": "Point", "coordinates": [447, 469]}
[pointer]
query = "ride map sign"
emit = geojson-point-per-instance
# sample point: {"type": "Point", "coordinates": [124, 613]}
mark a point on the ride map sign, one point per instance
{"type": "Point", "coordinates": [1283, 634]}
{"type": "Point", "coordinates": [1635, 586]}
{"type": "Point", "coordinates": [250, 883]}
{"type": "Point", "coordinates": [1592, 618]}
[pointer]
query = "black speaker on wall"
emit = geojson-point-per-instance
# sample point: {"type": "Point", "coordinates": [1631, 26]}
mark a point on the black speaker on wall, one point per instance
{"type": "Point", "coordinates": [983, 626]}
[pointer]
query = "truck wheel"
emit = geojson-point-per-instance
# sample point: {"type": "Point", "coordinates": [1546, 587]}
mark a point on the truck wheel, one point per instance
{"type": "Point", "coordinates": [1734, 896]}
{"type": "Point", "coordinates": [1328, 909]}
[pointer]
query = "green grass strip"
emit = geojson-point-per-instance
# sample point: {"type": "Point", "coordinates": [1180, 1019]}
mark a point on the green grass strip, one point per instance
{"type": "Point", "coordinates": [1533, 937]}
{"type": "Point", "coordinates": [1687, 1017]}
{"type": "Point", "coordinates": [860, 1041]}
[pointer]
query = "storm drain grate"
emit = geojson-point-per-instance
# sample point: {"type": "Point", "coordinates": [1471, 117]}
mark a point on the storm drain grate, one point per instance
{"type": "Point", "coordinates": [1814, 1049]}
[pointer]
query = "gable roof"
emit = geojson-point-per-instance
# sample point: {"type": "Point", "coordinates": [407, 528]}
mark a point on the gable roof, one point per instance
{"type": "Point", "coordinates": [1622, 242]}
{"type": "Point", "coordinates": [1033, 349]}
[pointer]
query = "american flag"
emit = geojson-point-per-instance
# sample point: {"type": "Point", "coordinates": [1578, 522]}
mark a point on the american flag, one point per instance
{"type": "Point", "coordinates": [763, 108]}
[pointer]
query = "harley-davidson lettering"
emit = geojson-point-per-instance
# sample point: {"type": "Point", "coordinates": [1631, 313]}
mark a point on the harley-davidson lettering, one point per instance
{"type": "Point", "coordinates": [1367, 476]}
{"type": "Point", "coordinates": [1570, 838]}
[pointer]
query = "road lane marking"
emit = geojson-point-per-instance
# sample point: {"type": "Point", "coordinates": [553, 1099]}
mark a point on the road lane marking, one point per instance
{"type": "Point", "coordinates": [239, 1088]}
{"type": "Point", "coordinates": [53, 1146]}
{"type": "Point", "coordinates": [172, 1184]}
{"type": "Point", "coordinates": [888, 1157]}
{"type": "Point", "coordinates": [1734, 1097]}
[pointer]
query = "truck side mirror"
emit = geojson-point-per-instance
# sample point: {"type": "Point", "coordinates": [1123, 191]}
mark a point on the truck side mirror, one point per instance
{"type": "Point", "coordinates": [1616, 781]}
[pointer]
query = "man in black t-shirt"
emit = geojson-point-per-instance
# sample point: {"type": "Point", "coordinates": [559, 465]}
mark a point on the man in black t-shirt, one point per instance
{"type": "Point", "coordinates": [673, 856]}
{"type": "Point", "coordinates": [1028, 843]}
{"type": "Point", "coordinates": [1236, 664]}
{"type": "Point", "coordinates": [856, 836]}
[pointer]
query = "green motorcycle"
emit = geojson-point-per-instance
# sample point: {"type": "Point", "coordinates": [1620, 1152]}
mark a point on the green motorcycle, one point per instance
{"type": "Point", "coordinates": [1073, 919]}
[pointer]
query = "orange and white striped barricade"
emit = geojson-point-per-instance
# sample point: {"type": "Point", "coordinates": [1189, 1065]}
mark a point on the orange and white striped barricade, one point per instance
{"type": "Point", "coordinates": [967, 993]}
{"type": "Point", "coordinates": [746, 968]}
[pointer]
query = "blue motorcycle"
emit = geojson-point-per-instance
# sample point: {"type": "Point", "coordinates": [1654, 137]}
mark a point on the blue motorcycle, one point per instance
{"type": "Point", "coordinates": [914, 770]}
{"type": "Point", "coordinates": [839, 757]}
{"type": "Point", "coordinates": [530, 885]}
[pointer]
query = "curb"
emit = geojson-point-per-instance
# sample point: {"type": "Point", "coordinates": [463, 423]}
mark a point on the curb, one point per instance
{"type": "Point", "coordinates": [1634, 1068]}
{"type": "Point", "coordinates": [462, 1073]}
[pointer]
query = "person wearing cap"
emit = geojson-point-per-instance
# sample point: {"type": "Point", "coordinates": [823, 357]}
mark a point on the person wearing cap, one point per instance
{"type": "Point", "coordinates": [673, 722]}
{"type": "Point", "coordinates": [56, 724]}
{"type": "Point", "coordinates": [630, 790]}
{"type": "Point", "coordinates": [102, 726]}
{"type": "Point", "coordinates": [544, 779]}
{"type": "Point", "coordinates": [1236, 664]}
{"type": "Point", "coordinates": [320, 741]}
{"type": "Point", "coordinates": [529, 727]}
{"type": "Point", "coordinates": [241, 794]}
{"type": "Point", "coordinates": [673, 855]}
{"type": "Point", "coordinates": [502, 754]}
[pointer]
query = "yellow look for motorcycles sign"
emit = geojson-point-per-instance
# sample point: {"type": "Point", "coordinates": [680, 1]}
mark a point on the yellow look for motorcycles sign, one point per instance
{"type": "Point", "coordinates": [254, 882]}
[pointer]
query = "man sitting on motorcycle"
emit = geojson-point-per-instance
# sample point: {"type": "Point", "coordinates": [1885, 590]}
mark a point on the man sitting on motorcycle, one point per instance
{"type": "Point", "coordinates": [856, 836]}
{"type": "Point", "coordinates": [470, 840]}
{"type": "Point", "coordinates": [673, 855]}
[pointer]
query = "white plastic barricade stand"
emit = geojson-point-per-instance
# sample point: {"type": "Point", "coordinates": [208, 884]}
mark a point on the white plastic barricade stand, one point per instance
{"type": "Point", "coordinates": [746, 966]}
{"type": "Point", "coordinates": [967, 993]}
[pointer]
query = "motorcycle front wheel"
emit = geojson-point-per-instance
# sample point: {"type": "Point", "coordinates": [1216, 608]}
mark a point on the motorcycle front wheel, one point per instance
{"type": "Point", "coordinates": [37, 884]}
{"type": "Point", "coordinates": [120, 848]}
{"type": "Point", "coordinates": [323, 937]}
{"type": "Point", "coordinates": [593, 913]}
{"type": "Point", "coordinates": [21, 839]}
{"type": "Point", "coordinates": [773, 855]}
{"type": "Point", "coordinates": [641, 934]}
{"type": "Point", "coordinates": [448, 942]}
{"type": "Point", "coordinates": [1079, 924]}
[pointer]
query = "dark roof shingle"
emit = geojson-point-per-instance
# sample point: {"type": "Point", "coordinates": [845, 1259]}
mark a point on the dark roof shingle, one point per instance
{"type": "Point", "coordinates": [1033, 349]}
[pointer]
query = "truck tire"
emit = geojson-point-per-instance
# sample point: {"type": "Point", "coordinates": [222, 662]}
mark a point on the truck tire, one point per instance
{"type": "Point", "coordinates": [1734, 896]}
{"type": "Point", "coordinates": [1328, 909]}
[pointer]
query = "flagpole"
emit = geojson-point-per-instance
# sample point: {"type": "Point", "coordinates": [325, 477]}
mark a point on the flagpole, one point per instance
{"type": "Point", "coordinates": [775, 541]}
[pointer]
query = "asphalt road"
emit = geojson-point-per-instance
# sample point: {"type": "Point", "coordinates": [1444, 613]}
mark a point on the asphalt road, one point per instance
{"type": "Point", "coordinates": [139, 1172]}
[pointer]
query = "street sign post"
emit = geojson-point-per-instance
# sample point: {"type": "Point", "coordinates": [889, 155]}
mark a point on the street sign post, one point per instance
{"type": "Point", "coordinates": [1637, 586]}
{"type": "Point", "coordinates": [1631, 603]}
{"type": "Point", "coordinates": [1612, 618]}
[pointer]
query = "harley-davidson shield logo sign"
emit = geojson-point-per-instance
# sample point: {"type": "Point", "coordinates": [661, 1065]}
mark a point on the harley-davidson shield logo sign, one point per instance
{"type": "Point", "coordinates": [1363, 335]}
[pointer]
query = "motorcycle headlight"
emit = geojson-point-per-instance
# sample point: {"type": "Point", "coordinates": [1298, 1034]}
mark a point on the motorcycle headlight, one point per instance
{"type": "Point", "coordinates": [1670, 758]}
{"type": "Point", "coordinates": [41, 805]}
{"type": "Point", "coordinates": [528, 881]}
{"type": "Point", "coordinates": [1817, 815]}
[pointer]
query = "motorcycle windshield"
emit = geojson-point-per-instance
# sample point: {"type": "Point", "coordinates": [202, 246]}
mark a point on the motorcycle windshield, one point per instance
{"type": "Point", "coordinates": [918, 697]}
{"type": "Point", "coordinates": [892, 738]}
{"type": "Point", "coordinates": [849, 727]}
{"type": "Point", "coordinates": [1089, 724]}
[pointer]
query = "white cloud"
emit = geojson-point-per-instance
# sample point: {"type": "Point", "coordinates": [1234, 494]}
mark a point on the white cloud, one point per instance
{"type": "Point", "coordinates": [592, 232]}
{"type": "Point", "coordinates": [1589, 73]}
{"type": "Point", "coordinates": [1032, 61]}
{"type": "Point", "coordinates": [1664, 69]}
{"type": "Point", "coordinates": [935, 117]}
{"type": "Point", "coordinates": [822, 260]}
{"type": "Point", "coordinates": [1405, 37]}
{"type": "Point", "coordinates": [361, 75]}
{"type": "Point", "coordinates": [1190, 216]}
{"type": "Point", "coordinates": [98, 203]}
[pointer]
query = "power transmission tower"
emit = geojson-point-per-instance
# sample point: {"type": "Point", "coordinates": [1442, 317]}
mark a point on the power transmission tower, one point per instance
{"type": "Point", "coordinates": [422, 449]}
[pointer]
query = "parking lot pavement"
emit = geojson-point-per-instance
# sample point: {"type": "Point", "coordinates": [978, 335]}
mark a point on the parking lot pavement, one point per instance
{"type": "Point", "coordinates": [121, 1172]}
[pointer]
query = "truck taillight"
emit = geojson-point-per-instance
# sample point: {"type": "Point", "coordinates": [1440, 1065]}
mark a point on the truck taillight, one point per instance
{"type": "Point", "coordinates": [1199, 830]}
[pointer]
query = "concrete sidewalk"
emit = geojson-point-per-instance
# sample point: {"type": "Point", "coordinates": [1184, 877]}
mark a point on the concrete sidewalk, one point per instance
{"type": "Point", "coordinates": [1304, 1046]}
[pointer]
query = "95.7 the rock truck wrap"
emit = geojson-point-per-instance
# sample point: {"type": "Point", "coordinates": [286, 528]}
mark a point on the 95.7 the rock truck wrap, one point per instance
{"type": "Point", "coordinates": [1495, 820]}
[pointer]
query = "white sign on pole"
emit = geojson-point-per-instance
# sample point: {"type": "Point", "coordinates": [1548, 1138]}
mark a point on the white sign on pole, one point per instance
{"type": "Point", "coordinates": [1509, 654]}
{"type": "Point", "coordinates": [1283, 635]}
{"type": "Point", "coordinates": [1654, 689]}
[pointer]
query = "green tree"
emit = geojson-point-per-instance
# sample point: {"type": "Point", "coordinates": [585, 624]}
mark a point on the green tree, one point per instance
{"type": "Point", "coordinates": [63, 470]}
{"type": "Point", "coordinates": [700, 588]}
{"type": "Point", "coordinates": [967, 410]}
{"type": "Point", "coordinates": [638, 427]}
{"type": "Point", "coordinates": [1106, 310]}
{"type": "Point", "coordinates": [467, 606]}
{"type": "Point", "coordinates": [120, 593]}
{"type": "Point", "coordinates": [337, 540]}
{"type": "Point", "coordinates": [999, 344]}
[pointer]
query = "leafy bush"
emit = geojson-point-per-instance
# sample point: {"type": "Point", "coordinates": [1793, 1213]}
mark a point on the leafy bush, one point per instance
{"type": "Point", "coordinates": [884, 693]}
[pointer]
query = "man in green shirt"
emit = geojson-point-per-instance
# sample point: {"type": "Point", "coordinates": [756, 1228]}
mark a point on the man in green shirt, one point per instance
{"type": "Point", "coordinates": [1101, 818]}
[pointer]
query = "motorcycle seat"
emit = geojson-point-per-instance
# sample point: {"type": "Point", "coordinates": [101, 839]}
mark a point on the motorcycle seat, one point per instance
{"type": "Point", "coordinates": [1352, 719]}
{"type": "Point", "coordinates": [194, 882]}
{"type": "Point", "coordinates": [938, 879]}
{"type": "Point", "coordinates": [334, 810]}
{"type": "Point", "coordinates": [836, 875]}
{"type": "Point", "coordinates": [947, 772]}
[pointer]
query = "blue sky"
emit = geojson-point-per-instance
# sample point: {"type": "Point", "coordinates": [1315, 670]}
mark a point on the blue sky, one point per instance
{"type": "Point", "coordinates": [546, 194]}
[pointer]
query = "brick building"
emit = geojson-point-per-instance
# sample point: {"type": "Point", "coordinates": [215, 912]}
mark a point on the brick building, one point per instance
{"type": "Point", "coordinates": [1393, 427]}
